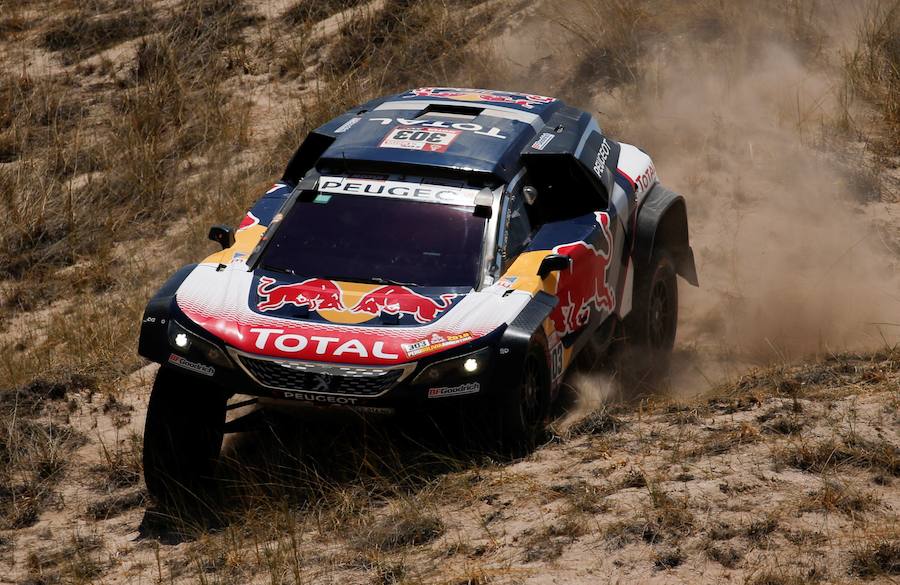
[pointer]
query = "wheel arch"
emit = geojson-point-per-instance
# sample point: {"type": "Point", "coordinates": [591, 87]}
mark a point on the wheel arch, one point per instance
{"type": "Point", "coordinates": [662, 221]}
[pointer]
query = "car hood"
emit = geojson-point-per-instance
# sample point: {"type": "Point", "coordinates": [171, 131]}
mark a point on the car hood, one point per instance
{"type": "Point", "coordinates": [339, 322]}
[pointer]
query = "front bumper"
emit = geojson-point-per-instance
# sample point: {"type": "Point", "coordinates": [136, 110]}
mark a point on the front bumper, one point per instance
{"type": "Point", "coordinates": [457, 374]}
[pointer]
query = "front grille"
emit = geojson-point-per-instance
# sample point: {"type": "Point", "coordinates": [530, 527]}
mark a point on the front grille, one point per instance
{"type": "Point", "coordinates": [342, 380]}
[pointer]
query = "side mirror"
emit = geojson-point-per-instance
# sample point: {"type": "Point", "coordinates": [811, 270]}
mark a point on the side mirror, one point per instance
{"type": "Point", "coordinates": [222, 234]}
{"type": "Point", "coordinates": [553, 263]}
{"type": "Point", "coordinates": [484, 202]}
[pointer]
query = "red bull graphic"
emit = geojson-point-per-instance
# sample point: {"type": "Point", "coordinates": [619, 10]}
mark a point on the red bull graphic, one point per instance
{"type": "Point", "coordinates": [525, 100]}
{"type": "Point", "coordinates": [316, 294]}
{"type": "Point", "coordinates": [583, 286]}
{"type": "Point", "coordinates": [400, 300]}
{"type": "Point", "coordinates": [249, 220]}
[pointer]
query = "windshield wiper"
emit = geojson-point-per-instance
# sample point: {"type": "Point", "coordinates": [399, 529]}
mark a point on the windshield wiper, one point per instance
{"type": "Point", "coordinates": [375, 279]}
{"type": "Point", "coordinates": [379, 280]}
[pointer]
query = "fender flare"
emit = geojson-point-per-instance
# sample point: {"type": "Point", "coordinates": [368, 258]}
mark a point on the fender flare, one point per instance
{"type": "Point", "coordinates": [513, 345]}
{"type": "Point", "coordinates": [662, 221]}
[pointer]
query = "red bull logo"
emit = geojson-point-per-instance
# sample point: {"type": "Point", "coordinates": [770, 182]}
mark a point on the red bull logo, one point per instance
{"type": "Point", "coordinates": [583, 286]}
{"type": "Point", "coordinates": [400, 300]}
{"type": "Point", "coordinates": [316, 294]}
{"type": "Point", "coordinates": [527, 101]}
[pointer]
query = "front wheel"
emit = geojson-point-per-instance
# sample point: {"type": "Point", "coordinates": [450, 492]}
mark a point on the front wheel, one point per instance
{"type": "Point", "coordinates": [523, 409]}
{"type": "Point", "coordinates": [649, 329]}
{"type": "Point", "coordinates": [183, 434]}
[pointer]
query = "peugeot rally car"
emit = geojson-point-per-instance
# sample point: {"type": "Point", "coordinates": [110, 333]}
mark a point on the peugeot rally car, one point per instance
{"type": "Point", "coordinates": [440, 247]}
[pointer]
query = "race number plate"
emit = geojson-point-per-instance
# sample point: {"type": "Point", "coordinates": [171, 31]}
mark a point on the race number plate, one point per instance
{"type": "Point", "coordinates": [425, 138]}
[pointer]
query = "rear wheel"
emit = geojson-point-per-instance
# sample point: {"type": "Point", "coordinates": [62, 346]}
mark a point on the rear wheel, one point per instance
{"type": "Point", "coordinates": [524, 408]}
{"type": "Point", "coordinates": [649, 329]}
{"type": "Point", "coordinates": [182, 437]}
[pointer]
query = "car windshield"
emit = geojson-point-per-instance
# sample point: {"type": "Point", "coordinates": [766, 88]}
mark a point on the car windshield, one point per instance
{"type": "Point", "coordinates": [378, 239]}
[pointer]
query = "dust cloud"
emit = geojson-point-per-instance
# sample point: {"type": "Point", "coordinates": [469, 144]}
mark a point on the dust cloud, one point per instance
{"type": "Point", "coordinates": [741, 120]}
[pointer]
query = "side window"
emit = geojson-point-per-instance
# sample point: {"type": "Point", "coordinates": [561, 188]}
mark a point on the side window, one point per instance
{"type": "Point", "coordinates": [516, 229]}
{"type": "Point", "coordinates": [519, 226]}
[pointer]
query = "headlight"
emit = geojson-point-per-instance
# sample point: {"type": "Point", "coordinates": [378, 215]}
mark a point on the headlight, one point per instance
{"type": "Point", "coordinates": [183, 341]}
{"type": "Point", "coordinates": [464, 366]}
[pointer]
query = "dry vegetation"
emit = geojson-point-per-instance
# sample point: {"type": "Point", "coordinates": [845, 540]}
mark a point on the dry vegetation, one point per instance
{"type": "Point", "coordinates": [126, 128]}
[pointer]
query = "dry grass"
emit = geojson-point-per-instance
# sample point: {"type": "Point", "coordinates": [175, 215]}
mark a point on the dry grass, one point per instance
{"type": "Point", "coordinates": [78, 560]}
{"type": "Point", "coordinates": [878, 557]}
{"type": "Point", "coordinates": [409, 526]}
{"type": "Point", "coordinates": [33, 450]}
{"type": "Point", "coordinates": [849, 450]}
{"type": "Point", "coordinates": [873, 70]}
{"type": "Point", "coordinates": [91, 29]}
{"type": "Point", "coordinates": [305, 12]}
{"type": "Point", "coordinates": [841, 498]}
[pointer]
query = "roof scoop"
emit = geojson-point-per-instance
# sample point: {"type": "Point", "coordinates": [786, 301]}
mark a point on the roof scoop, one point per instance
{"type": "Point", "coordinates": [452, 110]}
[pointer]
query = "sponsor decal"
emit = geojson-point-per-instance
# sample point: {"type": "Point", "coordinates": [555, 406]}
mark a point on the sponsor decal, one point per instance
{"type": "Point", "coordinates": [401, 300]}
{"type": "Point", "coordinates": [525, 100]}
{"type": "Point", "coordinates": [646, 179]}
{"type": "Point", "coordinates": [272, 338]}
{"type": "Point", "coordinates": [542, 142]}
{"type": "Point", "coordinates": [602, 155]}
{"type": "Point", "coordinates": [414, 347]}
{"type": "Point", "coordinates": [426, 138]}
{"type": "Point", "coordinates": [507, 281]}
{"type": "Point", "coordinates": [583, 286]}
{"type": "Point", "coordinates": [315, 294]}
{"type": "Point", "coordinates": [398, 190]}
{"type": "Point", "coordinates": [347, 125]}
{"type": "Point", "coordinates": [471, 388]}
{"type": "Point", "coordinates": [182, 362]}
{"type": "Point", "coordinates": [427, 346]}
{"type": "Point", "coordinates": [493, 131]}
{"type": "Point", "coordinates": [556, 361]}
{"type": "Point", "coordinates": [275, 187]}
{"type": "Point", "coordinates": [321, 398]}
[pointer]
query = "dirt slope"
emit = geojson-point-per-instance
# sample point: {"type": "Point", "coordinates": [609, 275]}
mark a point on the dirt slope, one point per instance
{"type": "Point", "coordinates": [775, 458]}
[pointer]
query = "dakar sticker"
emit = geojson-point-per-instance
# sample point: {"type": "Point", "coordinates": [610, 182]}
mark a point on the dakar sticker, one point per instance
{"type": "Point", "coordinates": [471, 388]}
{"type": "Point", "coordinates": [507, 281]}
{"type": "Point", "coordinates": [181, 362]}
{"type": "Point", "coordinates": [427, 138]}
{"type": "Point", "coordinates": [426, 346]}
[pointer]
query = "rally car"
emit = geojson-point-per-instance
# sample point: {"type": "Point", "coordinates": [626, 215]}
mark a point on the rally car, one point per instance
{"type": "Point", "coordinates": [440, 247]}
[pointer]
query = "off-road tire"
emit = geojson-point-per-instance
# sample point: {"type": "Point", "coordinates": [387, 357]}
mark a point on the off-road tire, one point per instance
{"type": "Point", "coordinates": [648, 331]}
{"type": "Point", "coordinates": [524, 408]}
{"type": "Point", "coordinates": [183, 435]}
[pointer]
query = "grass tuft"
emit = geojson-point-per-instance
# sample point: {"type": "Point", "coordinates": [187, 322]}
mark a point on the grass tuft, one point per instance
{"type": "Point", "coordinates": [876, 558]}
